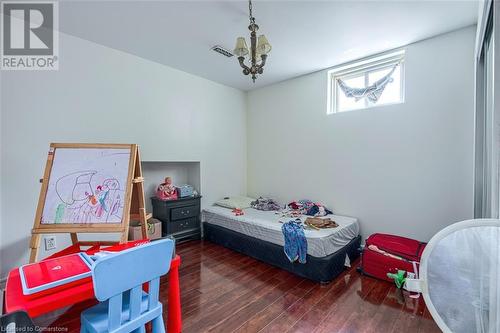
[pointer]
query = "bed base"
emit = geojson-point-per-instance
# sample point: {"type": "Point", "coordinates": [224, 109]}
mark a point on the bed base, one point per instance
{"type": "Point", "coordinates": [321, 270]}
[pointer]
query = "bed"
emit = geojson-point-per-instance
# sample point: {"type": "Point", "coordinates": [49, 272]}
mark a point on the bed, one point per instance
{"type": "Point", "coordinates": [258, 234]}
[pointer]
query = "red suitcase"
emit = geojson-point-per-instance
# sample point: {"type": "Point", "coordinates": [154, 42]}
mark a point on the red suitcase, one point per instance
{"type": "Point", "coordinates": [377, 264]}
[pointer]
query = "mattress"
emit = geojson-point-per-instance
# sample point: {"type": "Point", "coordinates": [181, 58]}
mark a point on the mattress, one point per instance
{"type": "Point", "coordinates": [266, 226]}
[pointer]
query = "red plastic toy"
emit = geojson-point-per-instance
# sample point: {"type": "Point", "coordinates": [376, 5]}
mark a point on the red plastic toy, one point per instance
{"type": "Point", "coordinates": [238, 212]}
{"type": "Point", "coordinates": [49, 276]}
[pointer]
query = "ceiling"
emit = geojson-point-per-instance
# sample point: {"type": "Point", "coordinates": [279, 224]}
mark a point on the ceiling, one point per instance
{"type": "Point", "coordinates": [306, 35]}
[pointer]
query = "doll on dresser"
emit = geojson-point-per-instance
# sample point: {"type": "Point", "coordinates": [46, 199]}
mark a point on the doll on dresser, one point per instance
{"type": "Point", "coordinates": [166, 190]}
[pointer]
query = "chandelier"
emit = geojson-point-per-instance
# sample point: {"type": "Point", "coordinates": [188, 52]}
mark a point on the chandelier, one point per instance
{"type": "Point", "coordinates": [259, 48]}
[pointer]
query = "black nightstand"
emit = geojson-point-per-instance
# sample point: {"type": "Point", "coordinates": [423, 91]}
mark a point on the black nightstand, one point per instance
{"type": "Point", "coordinates": [179, 218]}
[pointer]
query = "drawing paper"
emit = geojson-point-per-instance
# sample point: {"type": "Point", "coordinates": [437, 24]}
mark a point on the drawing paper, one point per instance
{"type": "Point", "coordinates": [87, 185]}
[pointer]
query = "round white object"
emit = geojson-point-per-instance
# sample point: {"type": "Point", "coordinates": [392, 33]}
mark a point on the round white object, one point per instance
{"type": "Point", "coordinates": [460, 277]}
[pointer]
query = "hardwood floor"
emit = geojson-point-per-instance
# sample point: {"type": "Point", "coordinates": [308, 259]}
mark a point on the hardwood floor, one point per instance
{"type": "Point", "coordinates": [224, 291]}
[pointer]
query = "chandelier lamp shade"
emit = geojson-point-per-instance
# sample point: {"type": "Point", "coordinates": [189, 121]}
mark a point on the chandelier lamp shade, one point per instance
{"type": "Point", "coordinates": [257, 54]}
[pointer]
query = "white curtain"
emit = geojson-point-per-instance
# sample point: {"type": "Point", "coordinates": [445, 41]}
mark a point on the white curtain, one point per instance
{"type": "Point", "coordinates": [372, 92]}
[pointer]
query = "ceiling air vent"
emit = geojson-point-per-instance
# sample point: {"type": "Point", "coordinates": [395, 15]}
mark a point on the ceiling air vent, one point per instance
{"type": "Point", "coordinates": [223, 51]}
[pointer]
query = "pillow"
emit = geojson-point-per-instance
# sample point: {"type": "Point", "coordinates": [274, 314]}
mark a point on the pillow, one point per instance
{"type": "Point", "coordinates": [240, 202]}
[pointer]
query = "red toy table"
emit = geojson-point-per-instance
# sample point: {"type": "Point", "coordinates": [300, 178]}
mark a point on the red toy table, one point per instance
{"type": "Point", "coordinates": [15, 300]}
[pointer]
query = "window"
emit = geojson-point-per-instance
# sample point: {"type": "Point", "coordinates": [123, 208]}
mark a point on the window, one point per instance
{"type": "Point", "coordinates": [364, 84]}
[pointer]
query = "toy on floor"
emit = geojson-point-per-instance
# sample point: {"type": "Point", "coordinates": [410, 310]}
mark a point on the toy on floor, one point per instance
{"type": "Point", "coordinates": [399, 278]}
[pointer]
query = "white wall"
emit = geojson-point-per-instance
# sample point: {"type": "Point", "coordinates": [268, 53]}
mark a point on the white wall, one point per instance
{"type": "Point", "coordinates": [404, 169]}
{"type": "Point", "coordinates": [104, 95]}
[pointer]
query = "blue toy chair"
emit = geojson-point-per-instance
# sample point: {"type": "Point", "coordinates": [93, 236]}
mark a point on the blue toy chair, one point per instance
{"type": "Point", "coordinates": [118, 280]}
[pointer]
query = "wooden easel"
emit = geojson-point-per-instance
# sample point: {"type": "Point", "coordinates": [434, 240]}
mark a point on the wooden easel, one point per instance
{"type": "Point", "coordinates": [134, 204]}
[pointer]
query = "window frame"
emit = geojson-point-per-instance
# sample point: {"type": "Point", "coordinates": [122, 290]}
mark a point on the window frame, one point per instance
{"type": "Point", "coordinates": [364, 67]}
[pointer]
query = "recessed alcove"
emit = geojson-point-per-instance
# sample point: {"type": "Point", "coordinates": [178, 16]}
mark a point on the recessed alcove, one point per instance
{"type": "Point", "coordinates": [182, 172]}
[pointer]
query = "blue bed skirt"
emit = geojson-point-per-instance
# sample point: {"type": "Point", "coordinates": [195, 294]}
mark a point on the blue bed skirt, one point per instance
{"type": "Point", "coordinates": [321, 270]}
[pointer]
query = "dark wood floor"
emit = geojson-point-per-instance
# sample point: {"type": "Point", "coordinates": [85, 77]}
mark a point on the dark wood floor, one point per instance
{"type": "Point", "coordinates": [224, 291]}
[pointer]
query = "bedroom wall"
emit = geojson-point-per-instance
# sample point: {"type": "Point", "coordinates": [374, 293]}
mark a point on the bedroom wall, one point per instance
{"type": "Point", "coordinates": [404, 169]}
{"type": "Point", "coordinates": [103, 95]}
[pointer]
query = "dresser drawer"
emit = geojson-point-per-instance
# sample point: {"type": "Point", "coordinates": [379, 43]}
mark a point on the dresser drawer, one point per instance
{"type": "Point", "coordinates": [184, 212]}
{"type": "Point", "coordinates": [183, 225]}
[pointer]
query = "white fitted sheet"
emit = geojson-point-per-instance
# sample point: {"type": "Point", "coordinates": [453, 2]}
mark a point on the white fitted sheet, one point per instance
{"type": "Point", "coordinates": [266, 226]}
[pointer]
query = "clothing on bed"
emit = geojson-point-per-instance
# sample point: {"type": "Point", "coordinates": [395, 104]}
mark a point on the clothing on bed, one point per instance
{"type": "Point", "coordinates": [266, 225]}
{"type": "Point", "coordinates": [307, 207]}
{"type": "Point", "coordinates": [320, 223]}
{"type": "Point", "coordinates": [265, 204]}
{"type": "Point", "coordinates": [295, 241]}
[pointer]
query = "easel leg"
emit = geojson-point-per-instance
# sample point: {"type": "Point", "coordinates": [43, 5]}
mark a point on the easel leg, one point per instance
{"type": "Point", "coordinates": [34, 245]}
{"type": "Point", "coordinates": [124, 237]}
{"type": "Point", "coordinates": [74, 238]}
{"type": "Point", "coordinates": [144, 222]}
{"type": "Point", "coordinates": [139, 188]}
{"type": "Point", "coordinates": [136, 208]}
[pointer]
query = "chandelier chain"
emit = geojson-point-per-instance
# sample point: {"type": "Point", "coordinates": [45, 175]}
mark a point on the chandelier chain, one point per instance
{"type": "Point", "coordinates": [252, 19]}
